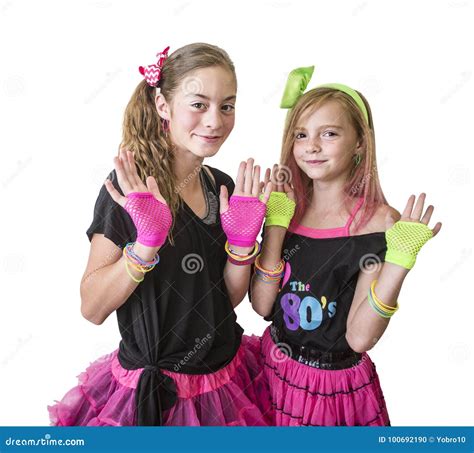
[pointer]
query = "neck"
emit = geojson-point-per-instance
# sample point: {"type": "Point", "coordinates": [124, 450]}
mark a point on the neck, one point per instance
{"type": "Point", "coordinates": [328, 197]}
{"type": "Point", "coordinates": [186, 169]}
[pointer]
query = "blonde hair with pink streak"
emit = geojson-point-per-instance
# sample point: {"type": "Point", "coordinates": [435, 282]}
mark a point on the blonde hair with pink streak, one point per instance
{"type": "Point", "coordinates": [363, 180]}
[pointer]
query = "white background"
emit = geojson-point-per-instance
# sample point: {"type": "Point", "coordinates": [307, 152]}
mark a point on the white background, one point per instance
{"type": "Point", "coordinates": [68, 71]}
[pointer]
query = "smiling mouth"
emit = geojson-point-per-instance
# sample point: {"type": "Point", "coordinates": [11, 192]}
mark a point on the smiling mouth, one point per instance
{"type": "Point", "coordinates": [315, 161]}
{"type": "Point", "coordinates": [209, 137]}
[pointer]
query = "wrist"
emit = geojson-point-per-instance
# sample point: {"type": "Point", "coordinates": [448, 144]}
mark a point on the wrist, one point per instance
{"type": "Point", "coordinates": [400, 259]}
{"type": "Point", "coordinates": [242, 259]}
{"type": "Point", "coordinates": [395, 272]}
{"type": "Point", "coordinates": [239, 250]}
{"type": "Point", "coordinates": [276, 231]}
{"type": "Point", "coordinates": [145, 252]}
{"type": "Point", "coordinates": [270, 256]}
{"type": "Point", "coordinates": [274, 237]}
{"type": "Point", "coordinates": [280, 222]}
{"type": "Point", "coordinates": [269, 262]}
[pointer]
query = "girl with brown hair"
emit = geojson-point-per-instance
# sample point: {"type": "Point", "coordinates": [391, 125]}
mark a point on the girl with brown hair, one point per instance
{"type": "Point", "coordinates": [160, 259]}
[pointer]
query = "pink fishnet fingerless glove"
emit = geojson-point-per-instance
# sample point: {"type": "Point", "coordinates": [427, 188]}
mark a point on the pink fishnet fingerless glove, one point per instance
{"type": "Point", "coordinates": [242, 221]}
{"type": "Point", "coordinates": [151, 218]}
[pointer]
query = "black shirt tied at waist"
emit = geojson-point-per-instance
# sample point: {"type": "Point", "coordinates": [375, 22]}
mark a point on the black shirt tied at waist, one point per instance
{"type": "Point", "coordinates": [174, 302]}
{"type": "Point", "coordinates": [155, 393]}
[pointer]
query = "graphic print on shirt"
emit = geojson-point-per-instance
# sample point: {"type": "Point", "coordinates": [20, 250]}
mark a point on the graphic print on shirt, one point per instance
{"type": "Point", "coordinates": [303, 312]}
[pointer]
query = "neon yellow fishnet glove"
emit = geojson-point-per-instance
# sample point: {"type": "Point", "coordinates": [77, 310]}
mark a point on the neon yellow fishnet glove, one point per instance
{"type": "Point", "coordinates": [280, 210]}
{"type": "Point", "coordinates": [404, 241]}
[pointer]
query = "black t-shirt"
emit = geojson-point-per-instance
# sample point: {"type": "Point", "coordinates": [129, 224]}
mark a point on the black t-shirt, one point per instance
{"type": "Point", "coordinates": [320, 279]}
{"type": "Point", "coordinates": [180, 318]}
{"type": "Point", "coordinates": [183, 301]}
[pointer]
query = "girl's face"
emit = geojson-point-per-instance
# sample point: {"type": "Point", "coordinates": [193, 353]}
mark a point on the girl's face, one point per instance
{"type": "Point", "coordinates": [325, 143]}
{"type": "Point", "coordinates": [202, 112]}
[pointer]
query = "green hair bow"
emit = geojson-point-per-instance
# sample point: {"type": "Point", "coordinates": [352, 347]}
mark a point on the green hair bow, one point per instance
{"type": "Point", "coordinates": [297, 82]}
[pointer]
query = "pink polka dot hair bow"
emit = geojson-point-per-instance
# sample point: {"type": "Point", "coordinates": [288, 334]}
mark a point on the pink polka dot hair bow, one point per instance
{"type": "Point", "coordinates": [152, 73]}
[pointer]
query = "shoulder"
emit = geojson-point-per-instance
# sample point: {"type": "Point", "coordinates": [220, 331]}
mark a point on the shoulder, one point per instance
{"type": "Point", "coordinates": [104, 199]}
{"type": "Point", "coordinates": [112, 176]}
{"type": "Point", "coordinates": [219, 177]}
{"type": "Point", "coordinates": [379, 220]}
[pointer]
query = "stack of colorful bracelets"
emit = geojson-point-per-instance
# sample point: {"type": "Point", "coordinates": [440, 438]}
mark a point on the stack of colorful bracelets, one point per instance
{"type": "Point", "coordinates": [378, 306]}
{"type": "Point", "coordinates": [267, 276]}
{"type": "Point", "coordinates": [242, 260]}
{"type": "Point", "coordinates": [133, 260]}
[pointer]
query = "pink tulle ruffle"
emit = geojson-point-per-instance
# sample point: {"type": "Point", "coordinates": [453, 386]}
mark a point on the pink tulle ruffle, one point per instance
{"type": "Point", "coordinates": [236, 395]}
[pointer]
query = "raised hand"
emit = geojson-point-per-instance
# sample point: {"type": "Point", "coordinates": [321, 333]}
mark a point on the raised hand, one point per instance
{"type": "Point", "coordinates": [406, 237]}
{"type": "Point", "coordinates": [129, 181]}
{"type": "Point", "coordinates": [242, 215]}
{"type": "Point", "coordinates": [281, 204]}
{"type": "Point", "coordinates": [145, 204]}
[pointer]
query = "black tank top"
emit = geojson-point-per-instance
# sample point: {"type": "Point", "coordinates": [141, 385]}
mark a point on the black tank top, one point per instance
{"type": "Point", "coordinates": [321, 271]}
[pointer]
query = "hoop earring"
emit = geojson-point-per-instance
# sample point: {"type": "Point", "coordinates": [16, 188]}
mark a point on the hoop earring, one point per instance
{"type": "Point", "coordinates": [165, 125]}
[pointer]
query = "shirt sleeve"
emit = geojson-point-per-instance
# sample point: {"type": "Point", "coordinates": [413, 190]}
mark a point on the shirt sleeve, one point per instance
{"type": "Point", "coordinates": [110, 219]}
{"type": "Point", "coordinates": [382, 250]}
{"type": "Point", "coordinates": [222, 179]}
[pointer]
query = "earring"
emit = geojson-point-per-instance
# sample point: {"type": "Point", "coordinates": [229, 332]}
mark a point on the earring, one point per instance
{"type": "Point", "coordinates": [165, 125]}
{"type": "Point", "coordinates": [357, 159]}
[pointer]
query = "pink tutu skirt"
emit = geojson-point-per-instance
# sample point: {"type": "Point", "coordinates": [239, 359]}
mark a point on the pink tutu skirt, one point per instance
{"type": "Point", "coordinates": [307, 396]}
{"type": "Point", "coordinates": [235, 395]}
